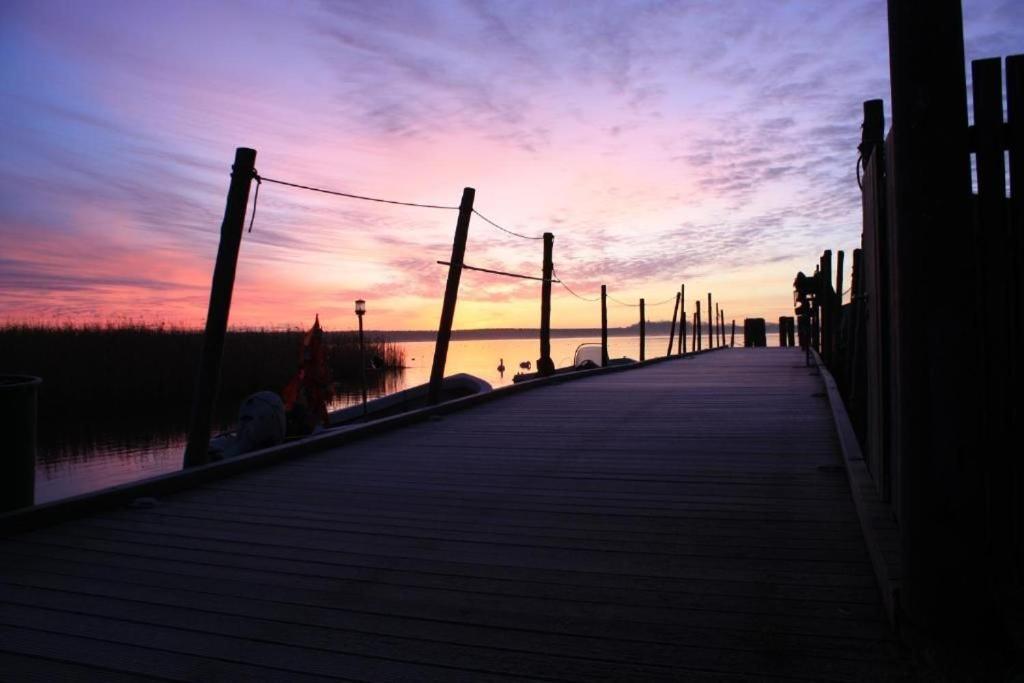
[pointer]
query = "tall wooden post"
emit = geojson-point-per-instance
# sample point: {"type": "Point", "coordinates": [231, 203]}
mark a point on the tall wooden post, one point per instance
{"type": "Point", "coordinates": [815, 312]}
{"type": "Point", "coordinates": [1015, 146]}
{"type": "Point", "coordinates": [672, 330]}
{"type": "Point", "coordinates": [853, 361]}
{"type": "Point", "coordinates": [936, 396]}
{"type": "Point", "coordinates": [451, 294]}
{"type": "Point", "coordinates": [694, 334]}
{"type": "Point", "coordinates": [362, 362]}
{"type": "Point", "coordinates": [711, 326]}
{"type": "Point", "coordinates": [839, 277]}
{"type": "Point", "coordinates": [875, 304]}
{"type": "Point", "coordinates": [545, 366]}
{"type": "Point", "coordinates": [681, 348]}
{"type": "Point", "coordinates": [721, 328]}
{"type": "Point", "coordinates": [995, 276]}
{"type": "Point", "coordinates": [643, 332]}
{"type": "Point", "coordinates": [604, 326]}
{"type": "Point", "coordinates": [827, 305]}
{"type": "Point", "coordinates": [838, 362]}
{"type": "Point", "coordinates": [196, 450]}
{"type": "Point", "coordinates": [732, 340]}
{"type": "Point", "coordinates": [697, 329]}
{"type": "Point", "coordinates": [18, 418]}
{"type": "Point", "coordinates": [718, 326]}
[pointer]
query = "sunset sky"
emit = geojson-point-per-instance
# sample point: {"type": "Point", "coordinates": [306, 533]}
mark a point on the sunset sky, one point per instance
{"type": "Point", "coordinates": [706, 142]}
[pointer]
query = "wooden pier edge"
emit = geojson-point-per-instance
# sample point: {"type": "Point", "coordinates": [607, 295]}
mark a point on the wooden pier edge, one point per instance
{"type": "Point", "coordinates": [877, 520]}
{"type": "Point", "coordinates": [26, 519]}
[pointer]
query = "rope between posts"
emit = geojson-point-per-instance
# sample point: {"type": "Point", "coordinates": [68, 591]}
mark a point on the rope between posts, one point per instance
{"type": "Point", "coordinates": [646, 305]}
{"type": "Point", "coordinates": [662, 302]}
{"type": "Point", "coordinates": [336, 193]}
{"type": "Point", "coordinates": [511, 232]}
{"type": "Point", "coordinates": [496, 272]}
{"type": "Point", "coordinates": [621, 303]}
{"type": "Point", "coordinates": [569, 289]}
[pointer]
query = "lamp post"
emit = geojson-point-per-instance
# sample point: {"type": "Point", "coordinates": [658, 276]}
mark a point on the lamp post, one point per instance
{"type": "Point", "coordinates": [360, 310]}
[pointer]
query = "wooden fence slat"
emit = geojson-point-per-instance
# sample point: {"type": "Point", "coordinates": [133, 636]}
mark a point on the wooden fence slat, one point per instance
{"type": "Point", "coordinates": [994, 263]}
{"type": "Point", "coordinates": [876, 293]}
{"type": "Point", "coordinates": [1015, 146]}
{"type": "Point", "coordinates": [937, 392]}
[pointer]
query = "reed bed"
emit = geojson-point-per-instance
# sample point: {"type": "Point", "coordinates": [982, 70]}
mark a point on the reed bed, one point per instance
{"type": "Point", "coordinates": [132, 379]}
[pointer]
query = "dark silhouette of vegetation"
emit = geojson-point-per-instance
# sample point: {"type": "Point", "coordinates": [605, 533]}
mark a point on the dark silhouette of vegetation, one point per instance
{"type": "Point", "coordinates": [125, 379]}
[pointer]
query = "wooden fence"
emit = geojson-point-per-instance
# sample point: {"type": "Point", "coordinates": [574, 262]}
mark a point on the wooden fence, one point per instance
{"type": "Point", "coordinates": [926, 349]}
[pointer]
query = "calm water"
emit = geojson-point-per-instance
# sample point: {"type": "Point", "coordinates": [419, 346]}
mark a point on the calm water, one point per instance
{"type": "Point", "coordinates": [75, 468]}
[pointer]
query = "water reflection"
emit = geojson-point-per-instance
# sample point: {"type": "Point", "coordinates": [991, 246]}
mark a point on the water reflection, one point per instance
{"type": "Point", "coordinates": [85, 458]}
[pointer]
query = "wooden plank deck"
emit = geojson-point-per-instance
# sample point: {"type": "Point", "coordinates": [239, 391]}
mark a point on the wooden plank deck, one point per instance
{"type": "Point", "coordinates": [689, 520]}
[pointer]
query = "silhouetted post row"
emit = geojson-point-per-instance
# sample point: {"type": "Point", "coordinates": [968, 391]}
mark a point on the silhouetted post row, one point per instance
{"type": "Point", "coordinates": [934, 404]}
{"type": "Point", "coordinates": [242, 172]}
{"type": "Point", "coordinates": [545, 366]}
{"type": "Point", "coordinates": [451, 294]}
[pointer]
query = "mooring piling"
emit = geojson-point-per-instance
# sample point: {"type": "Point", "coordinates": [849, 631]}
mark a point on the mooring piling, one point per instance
{"type": "Point", "coordinates": [208, 377]}
{"type": "Point", "coordinates": [643, 332]}
{"type": "Point", "coordinates": [681, 344]}
{"type": "Point", "coordinates": [451, 294]}
{"type": "Point", "coordinates": [545, 366]}
{"type": "Point", "coordinates": [672, 330]}
{"type": "Point", "coordinates": [604, 326]}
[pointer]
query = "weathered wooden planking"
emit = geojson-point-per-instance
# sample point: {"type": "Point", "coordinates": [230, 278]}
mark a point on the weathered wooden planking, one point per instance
{"type": "Point", "coordinates": [686, 520]}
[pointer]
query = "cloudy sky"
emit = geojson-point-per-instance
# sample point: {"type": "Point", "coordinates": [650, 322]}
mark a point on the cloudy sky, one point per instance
{"type": "Point", "coordinates": [711, 142]}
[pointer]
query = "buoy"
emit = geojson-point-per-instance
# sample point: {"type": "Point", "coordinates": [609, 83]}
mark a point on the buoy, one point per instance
{"type": "Point", "coordinates": [501, 366]}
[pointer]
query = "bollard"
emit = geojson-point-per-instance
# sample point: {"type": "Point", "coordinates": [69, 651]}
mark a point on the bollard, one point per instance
{"type": "Point", "coordinates": [18, 395]}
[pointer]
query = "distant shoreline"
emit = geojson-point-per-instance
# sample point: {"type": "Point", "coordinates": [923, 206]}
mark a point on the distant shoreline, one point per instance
{"type": "Point", "coordinates": [653, 329]}
{"type": "Point", "coordinates": [660, 328]}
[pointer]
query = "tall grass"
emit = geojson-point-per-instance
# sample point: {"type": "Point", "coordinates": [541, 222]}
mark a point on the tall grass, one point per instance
{"type": "Point", "coordinates": [124, 379]}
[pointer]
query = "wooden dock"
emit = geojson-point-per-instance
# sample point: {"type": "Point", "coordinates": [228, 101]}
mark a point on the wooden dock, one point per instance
{"type": "Point", "coordinates": [689, 520]}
